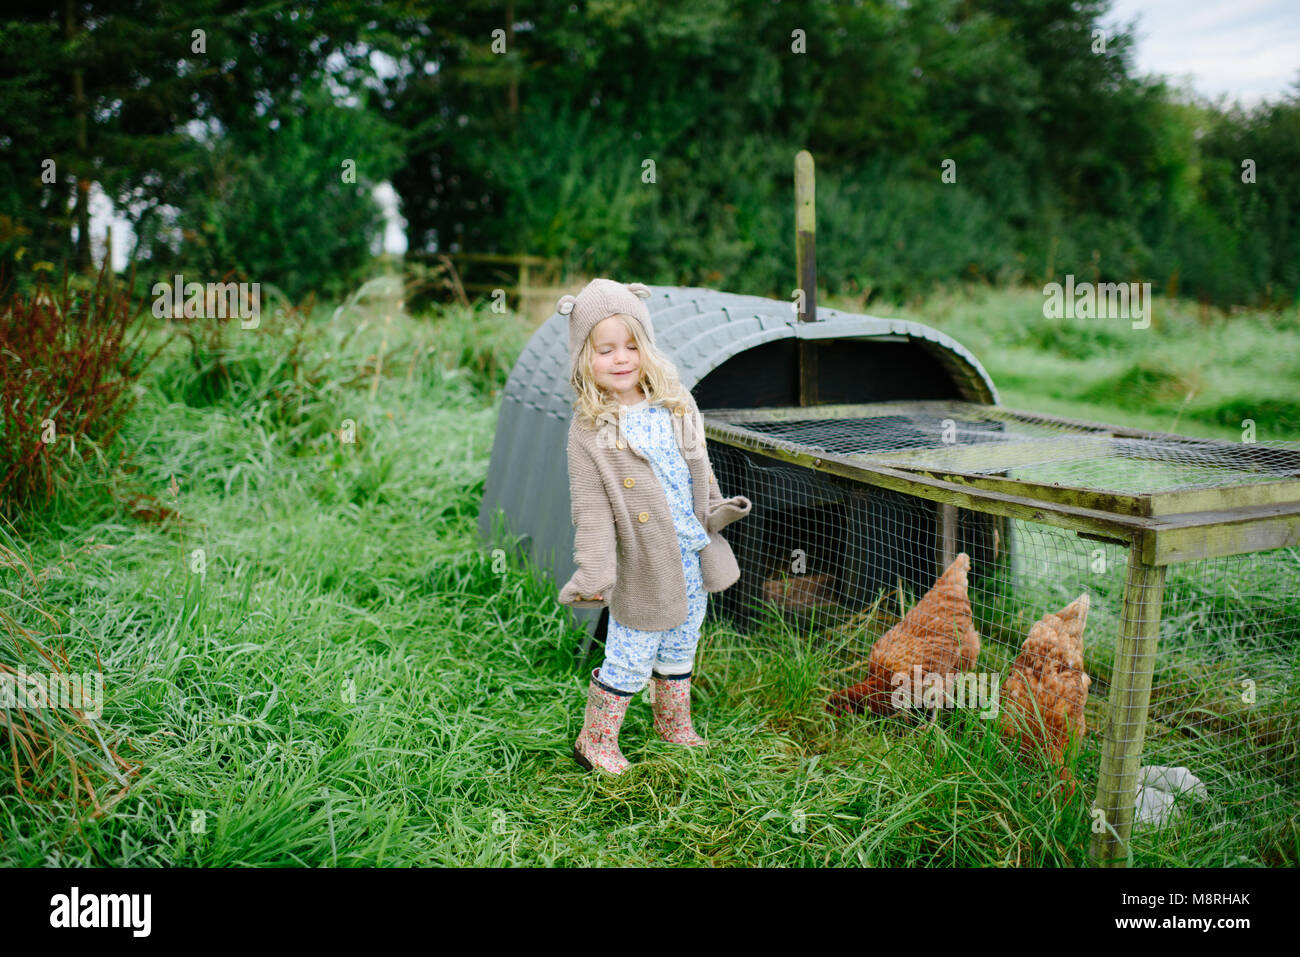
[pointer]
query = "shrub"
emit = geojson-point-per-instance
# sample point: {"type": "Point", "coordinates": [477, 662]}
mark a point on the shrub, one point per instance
{"type": "Point", "coordinates": [67, 365]}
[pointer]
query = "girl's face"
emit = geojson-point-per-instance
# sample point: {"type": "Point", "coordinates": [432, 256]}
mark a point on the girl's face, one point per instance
{"type": "Point", "coordinates": [615, 361]}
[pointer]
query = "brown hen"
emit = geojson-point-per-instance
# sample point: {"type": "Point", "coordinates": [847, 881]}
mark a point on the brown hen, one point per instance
{"type": "Point", "coordinates": [937, 635]}
{"type": "Point", "coordinates": [1047, 679]}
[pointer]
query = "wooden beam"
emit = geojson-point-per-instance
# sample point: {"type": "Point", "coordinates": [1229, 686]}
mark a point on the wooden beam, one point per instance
{"type": "Point", "coordinates": [947, 535]}
{"type": "Point", "coordinates": [805, 233]}
{"type": "Point", "coordinates": [1165, 539]}
{"type": "Point", "coordinates": [1130, 696]}
{"type": "Point", "coordinates": [1120, 503]}
{"type": "Point", "coordinates": [1224, 496]}
{"type": "Point", "coordinates": [1195, 535]}
{"type": "Point", "coordinates": [805, 245]}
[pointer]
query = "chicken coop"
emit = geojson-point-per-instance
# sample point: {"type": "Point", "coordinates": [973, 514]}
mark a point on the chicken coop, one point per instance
{"type": "Point", "coordinates": [1155, 576]}
{"type": "Point", "coordinates": [1186, 549]}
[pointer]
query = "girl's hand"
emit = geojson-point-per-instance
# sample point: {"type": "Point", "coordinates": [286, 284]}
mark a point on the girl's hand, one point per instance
{"type": "Point", "coordinates": [726, 511]}
{"type": "Point", "coordinates": [570, 594]}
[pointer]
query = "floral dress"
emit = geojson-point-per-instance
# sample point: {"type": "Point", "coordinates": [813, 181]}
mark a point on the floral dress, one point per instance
{"type": "Point", "coordinates": [631, 654]}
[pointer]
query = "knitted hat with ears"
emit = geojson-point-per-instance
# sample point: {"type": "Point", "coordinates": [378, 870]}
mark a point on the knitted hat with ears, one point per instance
{"type": "Point", "coordinates": [600, 299]}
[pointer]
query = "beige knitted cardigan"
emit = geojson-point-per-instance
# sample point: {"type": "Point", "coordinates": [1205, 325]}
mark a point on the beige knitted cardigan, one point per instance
{"type": "Point", "coordinates": [625, 543]}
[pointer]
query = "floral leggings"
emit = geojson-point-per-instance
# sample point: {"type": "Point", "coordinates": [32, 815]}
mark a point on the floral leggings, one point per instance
{"type": "Point", "coordinates": [630, 654]}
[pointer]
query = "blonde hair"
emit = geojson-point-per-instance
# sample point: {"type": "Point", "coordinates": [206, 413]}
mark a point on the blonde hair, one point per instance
{"type": "Point", "coordinates": [657, 377]}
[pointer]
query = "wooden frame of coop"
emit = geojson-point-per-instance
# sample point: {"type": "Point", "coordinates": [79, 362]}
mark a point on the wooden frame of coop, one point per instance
{"type": "Point", "coordinates": [1157, 528]}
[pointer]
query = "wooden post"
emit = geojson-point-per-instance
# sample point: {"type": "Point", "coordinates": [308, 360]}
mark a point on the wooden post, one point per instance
{"type": "Point", "coordinates": [947, 536]}
{"type": "Point", "coordinates": [805, 239]}
{"type": "Point", "coordinates": [1130, 695]}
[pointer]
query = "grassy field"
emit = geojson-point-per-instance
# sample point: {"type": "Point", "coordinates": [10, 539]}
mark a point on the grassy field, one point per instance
{"type": "Point", "coordinates": [1192, 371]}
{"type": "Point", "coordinates": [353, 680]}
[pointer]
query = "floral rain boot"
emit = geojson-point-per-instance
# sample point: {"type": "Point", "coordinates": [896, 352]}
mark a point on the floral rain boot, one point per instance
{"type": "Point", "coordinates": [597, 744]}
{"type": "Point", "coordinates": [672, 708]}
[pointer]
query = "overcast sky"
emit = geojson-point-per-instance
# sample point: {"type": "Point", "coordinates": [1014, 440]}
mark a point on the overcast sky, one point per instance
{"type": "Point", "coordinates": [1247, 49]}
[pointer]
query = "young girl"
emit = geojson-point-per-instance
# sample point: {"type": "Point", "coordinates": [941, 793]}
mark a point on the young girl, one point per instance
{"type": "Point", "coordinates": [647, 512]}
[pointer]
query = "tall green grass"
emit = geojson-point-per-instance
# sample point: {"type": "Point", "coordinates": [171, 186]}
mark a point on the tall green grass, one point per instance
{"type": "Point", "coordinates": [353, 681]}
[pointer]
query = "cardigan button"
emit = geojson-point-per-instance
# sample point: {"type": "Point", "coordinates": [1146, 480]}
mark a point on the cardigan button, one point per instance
{"type": "Point", "coordinates": [643, 517]}
{"type": "Point", "coordinates": [622, 444]}
{"type": "Point", "coordinates": [679, 411]}
{"type": "Point", "coordinates": [629, 482]}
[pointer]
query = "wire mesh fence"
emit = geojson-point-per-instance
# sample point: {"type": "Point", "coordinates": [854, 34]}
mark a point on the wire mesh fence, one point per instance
{"type": "Point", "coordinates": [1192, 665]}
{"type": "Point", "coordinates": [980, 439]}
